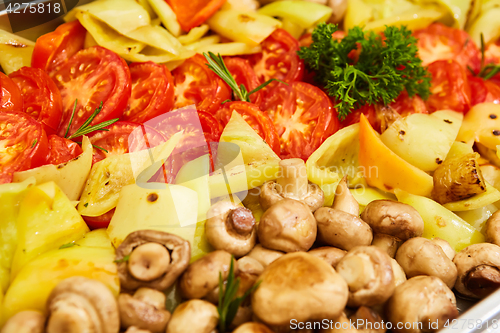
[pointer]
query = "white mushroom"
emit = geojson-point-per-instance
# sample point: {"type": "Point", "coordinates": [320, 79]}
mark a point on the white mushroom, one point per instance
{"type": "Point", "coordinates": [200, 316]}
{"type": "Point", "coordinates": [25, 322]}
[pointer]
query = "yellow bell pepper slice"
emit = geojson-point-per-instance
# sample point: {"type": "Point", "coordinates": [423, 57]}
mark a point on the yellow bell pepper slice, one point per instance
{"type": "Point", "coordinates": [384, 169]}
{"type": "Point", "coordinates": [479, 125]}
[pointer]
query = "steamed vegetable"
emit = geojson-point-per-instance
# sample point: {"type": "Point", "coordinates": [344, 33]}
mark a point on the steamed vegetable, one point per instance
{"type": "Point", "coordinates": [303, 13]}
{"type": "Point", "coordinates": [15, 52]}
{"type": "Point", "coordinates": [482, 125]}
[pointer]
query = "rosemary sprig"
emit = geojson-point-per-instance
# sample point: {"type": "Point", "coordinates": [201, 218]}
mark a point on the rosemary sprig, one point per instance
{"type": "Point", "coordinates": [86, 128]}
{"type": "Point", "coordinates": [217, 65]}
{"type": "Point", "coordinates": [228, 302]}
{"type": "Point", "coordinates": [488, 71]}
{"type": "Point", "coordinates": [124, 259]}
{"type": "Point", "coordinates": [100, 148]}
{"type": "Point", "coordinates": [65, 246]}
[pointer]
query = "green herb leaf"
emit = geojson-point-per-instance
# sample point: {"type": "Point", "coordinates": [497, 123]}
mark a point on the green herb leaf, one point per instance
{"type": "Point", "coordinates": [228, 302]}
{"type": "Point", "coordinates": [65, 246]}
{"type": "Point", "coordinates": [364, 68]}
{"type": "Point", "coordinates": [489, 70]}
{"type": "Point", "coordinates": [104, 150]}
{"type": "Point", "coordinates": [86, 128]}
{"type": "Point", "coordinates": [124, 259]}
{"type": "Point", "coordinates": [34, 143]}
{"type": "Point", "coordinates": [86, 205]}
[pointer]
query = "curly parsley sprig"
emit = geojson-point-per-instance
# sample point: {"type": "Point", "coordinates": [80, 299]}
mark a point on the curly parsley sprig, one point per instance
{"type": "Point", "coordinates": [364, 67]}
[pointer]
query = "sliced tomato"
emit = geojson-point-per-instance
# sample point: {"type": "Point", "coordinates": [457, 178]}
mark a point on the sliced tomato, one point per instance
{"type": "Point", "coordinates": [484, 91]}
{"type": "Point", "coordinates": [244, 74]}
{"type": "Point", "coordinates": [278, 59]}
{"type": "Point", "coordinates": [10, 95]}
{"type": "Point", "coordinates": [152, 92]}
{"type": "Point", "coordinates": [41, 98]}
{"type": "Point", "coordinates": [196, 84]}
{"type": "Point", "coordinates": [406, 105]}
{"type": "Point", "coordinates": [56, 47]}
{"type": "Point", "coordinates": [62, 150]}
{"type": "Point", "coordinates": [439, 42]}
{"type": "Point", "coordinates": [256, 118]}
{"type": "Point", "coordinates": [303, 116]}
{"type": "Point", "coordinates": [92, 76]}
{"type": "Point", "coordinates": [200, 130]}
{"type": "Point", "coordinates": [98, 222]}
{"type": "Point", "coordinates": [449, 87]}
{"type": "Point", "coordinates": [192, 13]}
{"type": "Point", "coordinates": [354, 117]}
{"type": "Point", "coordinates": [23, 143]}
{"type": "Point", "coordinates": [121, 138]}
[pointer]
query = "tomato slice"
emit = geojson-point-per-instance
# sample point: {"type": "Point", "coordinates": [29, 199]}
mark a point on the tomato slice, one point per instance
{"type": "Point", "coordinates": [355, 115]}
{"type": "Point", "coordinates": [41, 98]}
{"type": "Point", "coordinates": [101, 221]}
{"type": "Point", "coordinates": [62, 150]}
{"type": "Point", "coordinates": [10, 95]}
{"type": "Point", "coordinates": [303, 116]}
{"type": "Point", "coordinates": [256, 118]}
{"type": "Point", "coordinates": [406, 105]}
{"type": "Point", "coordinates": [192, 13]}
{"type": "Point", "coordinates": [152, 92]}
{"type": "Point", "coordinates": [244, 74]}
{"type": "Point", "coordinates": [53, 49]}
{"type": "Point", "coordinates": [484, 91]}
{"type": "Point", "coordinates": [449, 87]}
{"type": "Point", "coordinates": [122, 138]}
{"type": "Point", "coordinates": [196, 84]}
{"type": "Point", "coordinates": [23, 144]}
{"type": "Point", "coordinates": [92, 76]}
{"type": "Point", "coordinates": [278, 59]}
{"type": "Point", "coordinates": [439, 42]}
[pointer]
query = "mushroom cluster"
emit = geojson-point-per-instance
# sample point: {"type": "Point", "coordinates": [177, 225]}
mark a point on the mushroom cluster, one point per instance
{"type": "Point", "coordinates": [298, 267]}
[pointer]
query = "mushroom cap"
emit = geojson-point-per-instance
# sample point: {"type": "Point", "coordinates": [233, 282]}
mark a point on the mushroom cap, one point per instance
{"type": "Point", "coordinates": [270, 194]}
{"type": "Point", "coordinates": [399, 273]}
{"type": "Point", "coordinates": [493, 228]}
{"type": "Point", "coordinates": [244, 314]}
{"type": "Point", "coordinates": [473, 259]}
{"type": "Point", "coordinates": [79, 304]}
{"type": "Point", "coordinates": [133, 329]}
{"type": "Point", "coordinates": [331, 255]}
{"type": "Point", "coordinates": [424, 299]}
{"type": "Point", "coordinates": [202, 276]}
{"type": "Point", "coordinates": [136, 312]}
{"type": "Point", "coordinates": [252, 327]}
{"type": "Point", "coordinates": [180, 254]}
{"type": "Point", "coordinates": [369, 275]}
{"type": "Point", "coordinates": [221, 233]}
{"type": "Point", "coordinates": [25, 322]}
{"type": "Point", "coordinates": [200, 316]}
{"type": "Point", "coordinates": [298, 286]}
{"type": "Point", "coordinates": [249, 271]}
{"type": "Point", "coordinates": [445, 246]}
{"type": "Point", "coordinates": [421, 256]}
{"type": "Point", "coordinates": [341, 229]}
{"type": "Point", "coordinates": [387, 243]}
{"type": "Point", "coordinates": [263, 255]}
{"type": "Point", "coordinates": [367, 318]}
{"type": "Point", "coordinates": [287, 226]}
{"type": "Point", "coordinates": [393, 218]}
{"type": "Point", "coordinates": [344, 200]}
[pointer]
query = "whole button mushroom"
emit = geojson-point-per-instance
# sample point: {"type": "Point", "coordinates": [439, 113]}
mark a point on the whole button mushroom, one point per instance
{"type": "Point", "coordinates": [252, 328]}
{"type": "Point", "coordinates": [287, 226]}
{"type": "Point", "coordinates": [292, 183]}
{"type": "Point", "coordinates": [331, 255]}
{"type": "Point", "coordinates": [155, 259]}
{"type": "Point", "coordinates": [421, 304]}
{"type": "Point", "coordinates": [369, 275]}
{"type": "Point", "coordinates": [202, 276]}
{"type": "Point", "coordinates": [79, 305]}
{"type": "Point", "coordinates": [399, 273]}
{"type": "Point", "coordinates": [478, 268]}
{"type": "Point", "coordinates": [445, 246]}
{"type": "Point", "coordinates": [395, 220]}
{"type": "Point", "coordinates": [25, 322]}
{"type": "Point", "coordinates": [145, 310]}
{"type": "Point", "coordinates": [263, 255]}
{"type": "Point", "coordinates": [197, 315]}
{"type": "Point", "coordinates": [493, 228]}
{"type": "Point", "coordinates": [420, 256]}
{"type": "Point", "coordinates": [133, 329]}
{"type": "Point", "coordinates": [341, 226]}
{"type": "Point", "coordinates": [231, 228]}
{"type": "Point", "coordinates": [298, 286]}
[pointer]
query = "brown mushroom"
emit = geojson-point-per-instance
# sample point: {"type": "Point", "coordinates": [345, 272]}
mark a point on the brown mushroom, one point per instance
{"type": "Point", "coordinates": [25, 322]}
{"type": "Point", "coordinates": [298, 286]}
{"type": "Point", "coordinates": [393, 219]}
{"type": "Point", "coordinates": [369, 275]}
{"type": "Point", "coordinates": [155, 259]}
{"type": "Point", "coordinates": [421, 304]}
{"type": "Point", "coordinates": [478, 268]}
{"type": "Point", "coordinates": [202, 276]}
{"type": "Point", "coordinates": [200, 316]}
{"type": "Point", "coordinates": [331, 255]}
{"type": "Point", "coordinates": [445, 246]}
{"type": "Point", "coordinates": [249, 270]}
{"type": "Point", "coordinates": [399, 273]}
{"type": "Point", "coordinates": [263, 255]}
{"type": "Point", "coordinates": [342, 324]}
{"type": "Point", "coordinates": [292, 183]}
{"type": "Point", "coordinates": [420, 256]}
{"type": "Point", "coordinates": [231, 228]}
{"type": "Point", "coordinates": [368, 320]}
{"type": "Point", "coordinates": [144, 310]}
{"type": "Point", "coordinates": [493, 228]}
{"type": "Point", "coordinates": [287, 226]}
{"type": "Point", "coordinates": [252, 327]}
{"type": "Point", "coordinates": [78, 304]}
{"type": "Point", "coordinates": [133, 329]}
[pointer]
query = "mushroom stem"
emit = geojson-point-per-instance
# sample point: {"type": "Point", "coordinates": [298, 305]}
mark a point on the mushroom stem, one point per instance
{"type": "Point", "coordinates": [293, 178]}
{"type": "Point", "coordinates": [149, 261]}
{"type": "Point", "coordinates": [344, 200]}
{"type": "Point", "coordinates": [241, 220]}
{"type": "Point", "coordinates": [357, 271]}
{"type": "Point", "coordinates": [483, 280]}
